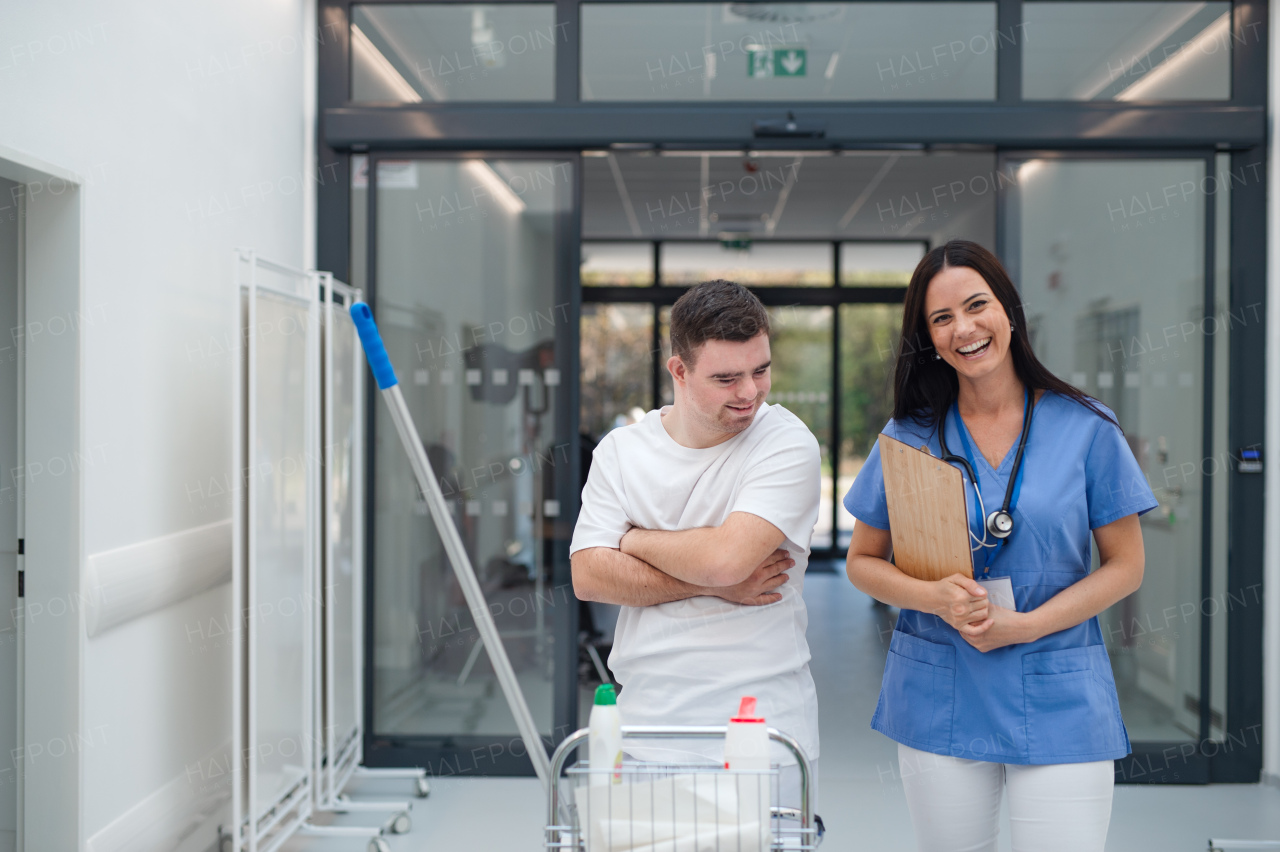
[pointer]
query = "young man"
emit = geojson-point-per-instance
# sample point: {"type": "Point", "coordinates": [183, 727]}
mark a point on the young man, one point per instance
{"type": "Point", "coordinates": [697, 520]}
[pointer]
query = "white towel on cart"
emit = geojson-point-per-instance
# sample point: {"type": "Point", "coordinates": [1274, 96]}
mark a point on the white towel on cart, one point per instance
{"type": "Point", "coordinates": [698, 812]}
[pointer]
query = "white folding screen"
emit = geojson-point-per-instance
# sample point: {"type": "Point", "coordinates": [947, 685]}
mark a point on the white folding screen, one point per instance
{"type": "Point", "coordinates": [276, 552]}
{"type": "Point", "coordinates": [342, 569]}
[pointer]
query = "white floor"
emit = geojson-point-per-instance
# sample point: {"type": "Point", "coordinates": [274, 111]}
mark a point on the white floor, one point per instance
{"type": "Point", "coordinates": [862, 801]}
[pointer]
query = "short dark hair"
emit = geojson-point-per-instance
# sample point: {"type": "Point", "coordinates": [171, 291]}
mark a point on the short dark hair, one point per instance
{"type": "Point", "coordinates": [715, 310]}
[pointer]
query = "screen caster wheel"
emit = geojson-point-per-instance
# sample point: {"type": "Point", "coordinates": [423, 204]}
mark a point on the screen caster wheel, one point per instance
{"type": "Point", "coordinates": [424, 788]}
{"type": "Point", "coordinates": [401, 824]}
{"type": "Point", "coordinates": [377, 844]}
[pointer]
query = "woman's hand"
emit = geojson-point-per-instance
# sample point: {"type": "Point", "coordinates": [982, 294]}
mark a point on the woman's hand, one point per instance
{"type": "Point", "coordinates": [1002, 627]}
{"type": "Point", "coordinates": [960, 602]}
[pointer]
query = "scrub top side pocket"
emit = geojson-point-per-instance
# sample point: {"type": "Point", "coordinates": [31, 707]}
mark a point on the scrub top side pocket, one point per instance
{"type": "Point", "coordinates": [1072, 710]}
{"type": "Point", "coordinates": [918, 693]}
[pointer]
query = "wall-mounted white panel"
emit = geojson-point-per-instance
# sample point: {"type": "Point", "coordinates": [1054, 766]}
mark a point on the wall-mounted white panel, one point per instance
{"type": "Point", "coordinates": [127, 582]}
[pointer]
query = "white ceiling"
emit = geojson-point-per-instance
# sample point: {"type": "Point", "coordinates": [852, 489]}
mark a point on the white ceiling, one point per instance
{"type": "Point", "coordinates": [867, 195]}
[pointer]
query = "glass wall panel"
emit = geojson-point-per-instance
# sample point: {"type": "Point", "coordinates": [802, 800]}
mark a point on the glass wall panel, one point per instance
{"type": "Point", "coordinates": [617, 366]}
{"type": "Point", "coordinates": [1220, 606]}
{"type": "Point", "coordinates": [800, 346]}
{"type": "Point", "coordinates": [1110, 260]}
{"type": "Point", "coordinates": [1142, 51]}
{"type": "Point", "coordinates": [439, 52]}
{"type": "Point", "coordinates": [868, 341]}
{"type": "Point", "coordinates": [789, 51]}
{"type": "Point", "coordinates": [607, 264]}
{"type": "Point", "coordinates": [758, 264]}
{"type": "Point", "coordinates": [280, 531]}
{"type": "Point", "coordinates": [879, 264]}
{"type": "Point", "coordinates": [468, 307]}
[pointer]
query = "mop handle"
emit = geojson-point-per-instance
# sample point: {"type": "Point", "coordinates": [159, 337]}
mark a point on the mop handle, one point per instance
{"type": "Point", "coordinates": [385, 375]}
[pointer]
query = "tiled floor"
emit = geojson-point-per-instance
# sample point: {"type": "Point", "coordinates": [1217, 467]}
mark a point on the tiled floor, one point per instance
{"type": "Point", "coordinates": [862, 801]}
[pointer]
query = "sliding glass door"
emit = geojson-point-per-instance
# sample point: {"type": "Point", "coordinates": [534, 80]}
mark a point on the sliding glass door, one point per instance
{"type": "Point", "coordinates": [470, 266]}
{"type": "Point", "coordinates": [1122, 266]}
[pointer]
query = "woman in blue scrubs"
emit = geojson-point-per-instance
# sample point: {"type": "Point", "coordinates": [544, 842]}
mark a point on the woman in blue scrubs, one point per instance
{"type": "Point", "coordinates": [985, 699]}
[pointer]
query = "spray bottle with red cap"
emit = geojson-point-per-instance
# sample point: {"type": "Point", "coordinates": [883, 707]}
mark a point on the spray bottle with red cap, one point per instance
{"type": "Point", "coordinates": [746, 750]}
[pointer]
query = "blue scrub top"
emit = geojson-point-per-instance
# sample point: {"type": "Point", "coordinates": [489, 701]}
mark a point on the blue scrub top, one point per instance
{"type": "Point", "coordinates": [1049, 701]}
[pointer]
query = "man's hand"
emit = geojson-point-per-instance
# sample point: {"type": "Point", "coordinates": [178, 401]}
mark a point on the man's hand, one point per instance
{"type": "Point", "coordinates": [759, 588]}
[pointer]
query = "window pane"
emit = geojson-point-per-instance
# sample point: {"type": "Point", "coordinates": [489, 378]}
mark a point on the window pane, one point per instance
{"type": "Point", "coordinates": [878, 264]}
{"type": "Point", "coordinates": [1110, 288]}
{"type": "Point", "coordinates": [469, 311]}
{"type": "Point", "coordinates": [617, 264]}
{"type": "Point", "coordinates": [666, 390]}
{"type": "Point", "coordinates": [757, 265]}
{"type": "Point", "coordinates": [800, 346]}
{"type": "Point", "coordinates": [432, 53]}
{"type": "Point", "coordinates": [1127, 51]}
{"type": "Point", "coordinates": [868, 337]}
{"type": "Point", "coordinates": [1221, 440]}
{"type": "Point", "coordinates": [788, 51]}
{"type": "Point", "coordinates": [617, 366]}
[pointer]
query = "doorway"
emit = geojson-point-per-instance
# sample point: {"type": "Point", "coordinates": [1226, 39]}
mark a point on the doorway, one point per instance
{"type": "Point", "coordinates": [41, 551]}
{"type": "Point", "coordinates": [831, 265]}
{"type": "Point", "coordinates": [10, 417]}
{"type": "Point", "coordinates": [1125, 287]}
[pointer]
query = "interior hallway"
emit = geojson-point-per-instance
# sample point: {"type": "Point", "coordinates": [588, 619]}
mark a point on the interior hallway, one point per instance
{"type": "Point", "coordinates": [862, 802]}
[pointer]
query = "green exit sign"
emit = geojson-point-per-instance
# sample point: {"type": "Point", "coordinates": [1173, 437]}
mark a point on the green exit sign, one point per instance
{"type": "Point", "coordinates": [777, 61]}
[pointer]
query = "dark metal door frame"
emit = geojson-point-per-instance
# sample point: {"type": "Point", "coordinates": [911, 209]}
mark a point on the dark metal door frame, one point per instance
{"type": "Point", "coordinates": [1238, 126]}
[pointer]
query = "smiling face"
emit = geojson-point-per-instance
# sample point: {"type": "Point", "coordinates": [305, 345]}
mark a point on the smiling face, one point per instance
{"type": "Point", "coordinates": [967, 324]}
{"type": "Point", "coordinates": [726, 385]}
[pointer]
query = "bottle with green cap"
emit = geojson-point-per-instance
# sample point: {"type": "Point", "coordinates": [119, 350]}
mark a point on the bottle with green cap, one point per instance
{"type": "Point", "coordinates": [604, 740]}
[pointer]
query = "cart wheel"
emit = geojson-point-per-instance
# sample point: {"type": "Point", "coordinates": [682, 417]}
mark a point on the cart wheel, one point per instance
{"type": "Point", "coordinates": [225, 843]}
{"type": "Point", "coordinates": [401, 824]}
{"type": "Point", "coordinates": [424, 788]}
{"type": "Point", "coordinates": [377, 844]}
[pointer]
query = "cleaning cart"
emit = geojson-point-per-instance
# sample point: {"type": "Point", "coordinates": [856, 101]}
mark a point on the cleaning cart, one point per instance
{"type": "Point", "coordinates": [676, 806]}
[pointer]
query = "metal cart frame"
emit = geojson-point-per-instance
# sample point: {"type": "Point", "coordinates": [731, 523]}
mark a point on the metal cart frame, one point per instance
{"type": "Point", "coordinates": [567, 834]}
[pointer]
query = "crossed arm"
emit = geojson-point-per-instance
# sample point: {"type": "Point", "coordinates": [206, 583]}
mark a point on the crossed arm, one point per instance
{"type": "Point", "coordinates": [740, 561]}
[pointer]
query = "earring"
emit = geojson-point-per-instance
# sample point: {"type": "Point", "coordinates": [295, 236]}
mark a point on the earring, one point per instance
{"type": "Point", "coordinates": [937, 357]}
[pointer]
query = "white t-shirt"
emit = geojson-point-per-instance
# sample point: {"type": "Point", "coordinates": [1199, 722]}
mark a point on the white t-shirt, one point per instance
{"type": "Point", "coordinates": [689, 662]}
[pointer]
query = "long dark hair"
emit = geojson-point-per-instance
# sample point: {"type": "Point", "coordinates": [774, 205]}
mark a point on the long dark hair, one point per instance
{"type": "Point", "coordinates": [925, 386]}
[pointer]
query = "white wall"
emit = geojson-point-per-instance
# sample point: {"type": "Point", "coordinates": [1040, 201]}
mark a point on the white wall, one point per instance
{"type": "Point", "coordinates": [191, 125]}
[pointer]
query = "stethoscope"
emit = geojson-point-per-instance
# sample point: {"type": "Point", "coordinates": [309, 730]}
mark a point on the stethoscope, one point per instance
{"type": "Point", "coordinates": [998, 524]}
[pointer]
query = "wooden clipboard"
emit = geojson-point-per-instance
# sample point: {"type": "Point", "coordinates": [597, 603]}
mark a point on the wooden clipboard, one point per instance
{"type": "Point", "coordinates": [927, 516]}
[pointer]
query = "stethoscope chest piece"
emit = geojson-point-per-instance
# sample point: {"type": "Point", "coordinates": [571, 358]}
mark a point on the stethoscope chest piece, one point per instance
{"type": "Point", "coordinates": [1000, 523]}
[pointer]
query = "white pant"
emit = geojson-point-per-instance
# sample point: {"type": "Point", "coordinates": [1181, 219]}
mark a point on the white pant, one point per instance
{"type": "Point", "coordinates": [955, 804]}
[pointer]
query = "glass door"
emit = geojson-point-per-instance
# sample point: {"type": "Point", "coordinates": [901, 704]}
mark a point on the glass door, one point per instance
{"type": "Point", "coordinates": [472, 275]}
{"type": "Point", "coordinates": [1121, 263]}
